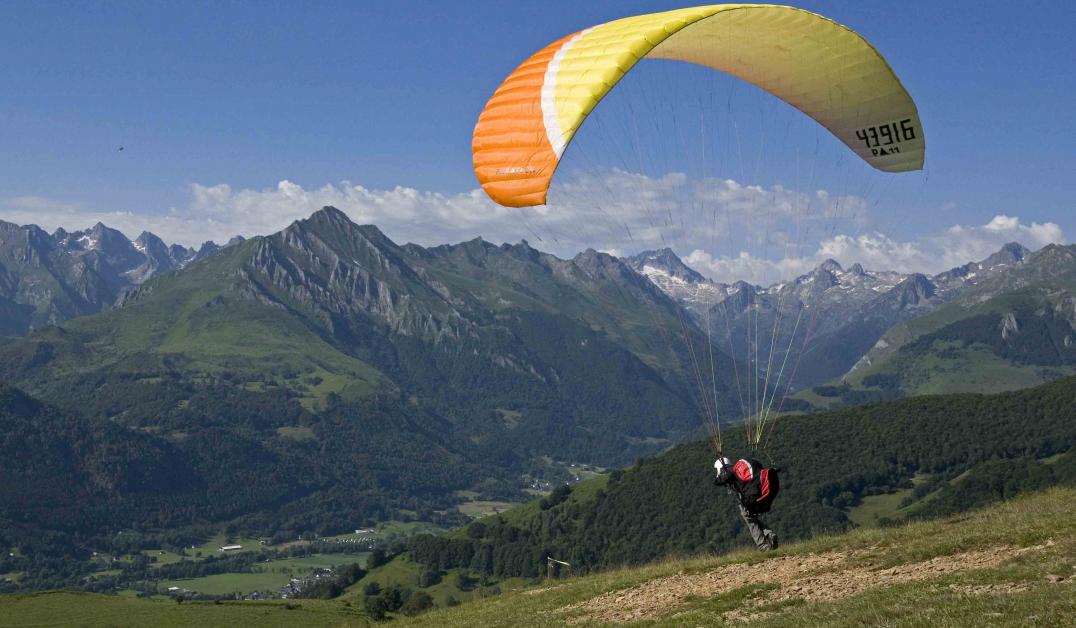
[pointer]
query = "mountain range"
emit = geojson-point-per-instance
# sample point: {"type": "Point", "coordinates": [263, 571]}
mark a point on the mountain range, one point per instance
{"type": "Point", "coordinates": [49, 278]}
{"type": "Point", "coordinates": [324, 376]}
{"type": "Point", "coordinates": [832, 321]}
{"type": "Point", "coordinates": [831, 324]}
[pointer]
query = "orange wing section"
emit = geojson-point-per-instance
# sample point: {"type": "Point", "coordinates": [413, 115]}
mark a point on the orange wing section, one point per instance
{"type": "Point", "coordinates": [512, 155]}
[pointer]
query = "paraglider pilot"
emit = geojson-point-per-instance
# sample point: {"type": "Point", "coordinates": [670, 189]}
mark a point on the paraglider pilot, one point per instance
{"type": "Point", "coordinates": [754, 488]}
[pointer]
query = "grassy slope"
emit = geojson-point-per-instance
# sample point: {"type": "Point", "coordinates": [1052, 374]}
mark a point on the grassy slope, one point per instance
{"type": "Point", "coordinates": [404, 573]}
{"type": "Point", "coordinates": [1017, 590]}
{"type": "Point", "coordinates": [1024, 522]}
{"type": "Point", "coordinates": [886, 506]}
{"type": "Point", "coordinates": [949, 366]}
{"type": "Point", "coordinates": [86, 609]}
{"type": "Point", "coordinates": [972, 368]}
{"type": "Point", "coordinates": [197, 314]}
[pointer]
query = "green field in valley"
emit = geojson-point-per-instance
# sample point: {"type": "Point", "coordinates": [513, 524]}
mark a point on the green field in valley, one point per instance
{"type": "Point", "coordinates": [269, 577]}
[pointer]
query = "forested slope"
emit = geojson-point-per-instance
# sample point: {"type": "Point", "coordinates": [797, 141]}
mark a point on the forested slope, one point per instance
{"type": "Point", "coordinates": [72, 484]}
{"type": "Point", "coordinates": [668, 504]}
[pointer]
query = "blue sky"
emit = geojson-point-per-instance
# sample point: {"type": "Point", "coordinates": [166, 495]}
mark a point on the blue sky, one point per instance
{"type": "Point", "coordinates": [385, 94]}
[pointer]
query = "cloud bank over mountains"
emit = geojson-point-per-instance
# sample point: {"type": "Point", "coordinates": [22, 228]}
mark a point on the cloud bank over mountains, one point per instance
{"type": "Point", "coordinates": [723, 229]}
{"type": "Point", "coordinates": [930, 254]}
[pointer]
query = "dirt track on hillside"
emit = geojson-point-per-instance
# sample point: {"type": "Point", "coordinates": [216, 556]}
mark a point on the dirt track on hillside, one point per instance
{"type": "Point", "coordinates": [813, 578]}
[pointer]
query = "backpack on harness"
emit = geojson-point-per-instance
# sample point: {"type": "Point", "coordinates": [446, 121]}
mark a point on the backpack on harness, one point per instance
{"type": "Point", "coordinates": [758, 485]}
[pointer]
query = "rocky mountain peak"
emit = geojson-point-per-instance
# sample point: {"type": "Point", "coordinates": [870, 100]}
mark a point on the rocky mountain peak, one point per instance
{"type": "Point", "coordinates": [103, 243]}
{"type": "Point", "coordinates": [108, 240]}
{"type": "Point", "coordinates": [179, 252]}
{"type": "Point", "coordinates": [830, 266]}
{"type": "Point", "coordinates": [739, 297]}
{"type": "Point", "coordinates": [818, 280]}
{"type": "Point", "coordinates": [147, 241]}
{"type": "Point", "coordinates": [477, 250]}
{"type": "Point", "coordinates": [330, 236]}
{"type": "Point", "coordinates": [597, 264]}
{"type": "Point", "coordinates": [664, 269]}
{"type": "Point", "coordinates": [158, 257]}
{"type": "Point", "coordinates": [1011, 253]}
{"type": "Point", "coordinates": [742, 286]}
{"type": "Point", "coordinates": [521, 246]}
{"type": "Point", "coordinates": [664, 261]}
{"type": "Point", "coordinates": [327, 224]}
{"type": "Point", "coordinates": [522, 250]}
{"type": "Point", "coordinates": [329, 216]}
{"type": "Point", "coordinates": [1008, 257]}
{"type": "Point", "coordinates": [208, 248]}
{"type": "Point", "coordinates": [916, 288]}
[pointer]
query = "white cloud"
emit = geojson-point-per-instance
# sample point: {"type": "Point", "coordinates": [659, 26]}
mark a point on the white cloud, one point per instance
{"type": "Point", "coordinates": [404, 213]}
{"type": "Point", "coordinates": [932, 253]}
{"type": "Point", "coordinates": [748, 267]}
{"type": "Point", "coordinates": [728, 230]}
{"type": "Point", "coordinates": [606, 210]}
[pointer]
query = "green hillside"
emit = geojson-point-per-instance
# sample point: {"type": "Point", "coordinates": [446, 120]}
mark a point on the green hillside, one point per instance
{"type": "Point", "coordinates": [193, 322]}
{"type": "Point", "coordinates": [1007, 565]}
{"type": "Point", "coordinates": [1010, 341]}
{"type": "Point", "coordinates": [95, 485]}
{"type": "Point", "coordinates": [1014, 331]}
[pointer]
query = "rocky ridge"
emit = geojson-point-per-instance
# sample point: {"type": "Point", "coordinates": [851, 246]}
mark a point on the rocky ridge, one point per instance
{"type": "Point", "coordinates": [48, 278]}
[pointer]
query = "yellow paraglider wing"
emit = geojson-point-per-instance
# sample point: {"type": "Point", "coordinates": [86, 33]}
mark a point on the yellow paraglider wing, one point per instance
{"type": "Point", "coordinates": [825, 70]}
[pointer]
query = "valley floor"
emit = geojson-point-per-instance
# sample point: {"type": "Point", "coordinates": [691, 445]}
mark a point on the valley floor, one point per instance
{"type": "Point", "coordinates": [1013, 564]}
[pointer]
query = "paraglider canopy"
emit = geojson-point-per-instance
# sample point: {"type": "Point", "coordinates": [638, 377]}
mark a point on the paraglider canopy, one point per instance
{"type": "Point", "coordinates": [825, 70]}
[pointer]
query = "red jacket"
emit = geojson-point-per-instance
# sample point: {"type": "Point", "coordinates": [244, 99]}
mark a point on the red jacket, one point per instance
{"type": "Point", "coordinates": [755, 486]}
